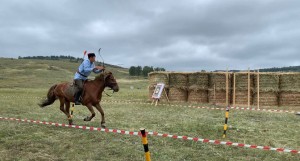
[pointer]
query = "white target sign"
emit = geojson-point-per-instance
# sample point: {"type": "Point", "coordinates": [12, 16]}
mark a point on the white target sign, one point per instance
{"type": "Point", "coordinates": [158, 91]}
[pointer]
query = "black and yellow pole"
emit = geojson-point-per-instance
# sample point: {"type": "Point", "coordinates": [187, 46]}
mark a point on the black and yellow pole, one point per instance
{"type": "Point", "coordinates": [226, 121]}
{"type": "Point", "coordinates": [145, 143]}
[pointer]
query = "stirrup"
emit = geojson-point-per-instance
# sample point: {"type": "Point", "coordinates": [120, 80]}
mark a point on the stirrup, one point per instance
{"type": "Point", "coordinates": [77, 103]}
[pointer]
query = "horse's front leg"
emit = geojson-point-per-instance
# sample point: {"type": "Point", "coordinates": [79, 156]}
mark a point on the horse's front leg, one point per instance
{"type": "Point", "coordinates": [99, 108]}
{"type": "Point", "coordinates": [62, 108]}
{"type": "Point", "coordinates": [89, 118]}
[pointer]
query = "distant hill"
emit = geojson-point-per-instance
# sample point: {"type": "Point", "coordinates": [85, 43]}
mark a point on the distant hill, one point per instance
{"type": "Point", "coordinates": [65, 58]}
{"type": "Point", "coordinates": [41, 73]}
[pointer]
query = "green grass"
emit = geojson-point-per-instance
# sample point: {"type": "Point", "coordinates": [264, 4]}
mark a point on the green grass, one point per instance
{"type": "Point", "coordinates": [26, 141]}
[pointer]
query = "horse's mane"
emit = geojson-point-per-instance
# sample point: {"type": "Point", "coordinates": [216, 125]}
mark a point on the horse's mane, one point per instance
{"type": "Point", "coordinates": [100, 76]}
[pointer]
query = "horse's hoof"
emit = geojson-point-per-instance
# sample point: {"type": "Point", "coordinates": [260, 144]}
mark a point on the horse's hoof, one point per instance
{"type": "Point", "coordinates": [103, 125]}
{"type": "Point", "coordinates": [87, 119]}
{"type": "Point", "coordinates": [70, 122]}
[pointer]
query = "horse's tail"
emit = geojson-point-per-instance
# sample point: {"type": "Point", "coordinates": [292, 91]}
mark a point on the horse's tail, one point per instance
{"type": "Point", "coordinates": [50, 97]}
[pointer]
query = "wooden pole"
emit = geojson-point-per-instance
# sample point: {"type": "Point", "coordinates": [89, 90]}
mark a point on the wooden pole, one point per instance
{"type": "Point", "coordinates": [233, 90]}
{"type": "Point", "coordinates": [166, 95]}
{"type": "Point", "coordinates": [258, 89]}
{"type": "Point", "coordinates": [227, 87]}
{"type": "Point", "coordinates": [215, 94]}
{"type": "Point", "coordinates": [248, 87]}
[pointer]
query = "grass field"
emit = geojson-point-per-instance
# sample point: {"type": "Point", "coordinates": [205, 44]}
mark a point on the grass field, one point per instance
{"type": "Point", "coordinates": [28, 79]}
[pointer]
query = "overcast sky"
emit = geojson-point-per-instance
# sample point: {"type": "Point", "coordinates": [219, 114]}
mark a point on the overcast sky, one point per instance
{"type": "Point", "coordinates": [188, 35]}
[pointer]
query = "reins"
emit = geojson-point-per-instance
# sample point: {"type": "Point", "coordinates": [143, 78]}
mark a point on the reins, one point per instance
{"type": "Point", "coordinates": [107, 93]}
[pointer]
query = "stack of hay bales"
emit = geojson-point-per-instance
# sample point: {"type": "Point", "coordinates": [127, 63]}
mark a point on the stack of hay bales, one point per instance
{"type": "Point", "coordinates": [158, 77]}
{"type": "Point", "coordinates": [217, 88]}
{"type": "Point", "coordinates": [198, 87]}
{"type": "Point", "coordinates": [241, 88]}
{"type": "Point", "coordinates": [268, 89]}
{"type": "Point", "coordinates": [289, 89]}
{"type": "Point", "coordinates": [201, 87]}
{"type": "Point", "coordinates": [178, 87]}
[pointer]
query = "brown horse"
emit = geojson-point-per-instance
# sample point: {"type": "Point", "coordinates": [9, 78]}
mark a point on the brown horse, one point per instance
{"type": "Point", "coordinates": [91, 96]}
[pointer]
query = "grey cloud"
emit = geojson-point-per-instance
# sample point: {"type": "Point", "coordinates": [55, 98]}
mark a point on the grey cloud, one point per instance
{"type": "Point", "coordinates": [181, 35]}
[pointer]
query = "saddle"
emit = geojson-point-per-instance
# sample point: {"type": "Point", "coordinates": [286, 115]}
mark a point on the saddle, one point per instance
{"type": "Point", "coordinates": [72, 88]}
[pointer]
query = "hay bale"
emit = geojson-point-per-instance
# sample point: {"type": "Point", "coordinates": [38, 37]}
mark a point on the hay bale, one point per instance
{"type": "Point", "coordinates": [219, 80]}
{"type": "Point", "coordinates": [217, 97]}
{"type": "Point", "coordinates": [241, 97]}
{"type": "Point", "coordinates": [163, 95]}
{"type": "Point", "coordinates": [158, 77]}
{"type": "Point", "coordinates": [289, 98]}
{"type": "Point", "coordinates": [199, 80]}
{"type": "Point", "coordinates": [269, 98]}
{"type": "Point", "coordinates": [178, 80]}
{"type": "Point", "coordinates": [290, 82]}
{"type": "Point", "coordinates": [241, 81]}
{"type": "Point", "coordinates": [177, 94]}
{"type": "Point", "coordinates": [268, 82]}
{"type": "Point", "coordinates": [199, 96]}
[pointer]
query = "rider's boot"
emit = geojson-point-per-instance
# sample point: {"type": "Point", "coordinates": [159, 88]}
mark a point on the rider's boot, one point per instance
{"type": "Point", "coordinates": [77, 98]}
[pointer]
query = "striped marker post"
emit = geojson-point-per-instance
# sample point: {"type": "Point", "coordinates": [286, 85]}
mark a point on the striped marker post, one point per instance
{"type": "Point", "coordinates": [145, 143]}
{"type": "Point", "coordinates": [226, 120]}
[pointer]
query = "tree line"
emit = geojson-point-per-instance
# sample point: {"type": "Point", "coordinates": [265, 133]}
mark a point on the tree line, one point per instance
{"type": "Point", "coordinates": [282, 69]}
{"type": "Point", "coordinates": [143, 71]}
{"type": "Point", "coordinates": [52, 57]}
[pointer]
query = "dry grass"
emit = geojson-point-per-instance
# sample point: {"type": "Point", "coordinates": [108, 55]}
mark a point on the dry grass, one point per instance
{"type": "Point", "coordinates": [159, 77]}
{"type": "Point", "coordinates": [198, 80]}
{"type": "Point", "coordinates": [218, 80]}
{"type": "Point", "coordinates": [179, 80]}
{"type": "Point", "coordinates": [268, 82]}
{"type": "Point", "coordinates": [290, 82]}
{"type": "Point", "coordinates": [39, 142]}
{"type": "Point", "coordinates": [25, 141]}
{"type": "Point", "coordinates": [198, 96]}
{"type": "Point", "coordinates": [178, 94]}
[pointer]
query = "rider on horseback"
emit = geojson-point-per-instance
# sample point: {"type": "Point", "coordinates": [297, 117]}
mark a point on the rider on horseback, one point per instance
{"type": "Point", "coordinates": [84, 70]}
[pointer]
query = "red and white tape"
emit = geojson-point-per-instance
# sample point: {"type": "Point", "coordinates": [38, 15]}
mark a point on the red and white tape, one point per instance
{"type": "Point", "coordinates": [185, 106]}
{"type": "Point", "coordinates": [22, 97]}
{"type": "Point", "coordinates": [209, 108]}
{"type": "Point", "coordinates": [216, 142]}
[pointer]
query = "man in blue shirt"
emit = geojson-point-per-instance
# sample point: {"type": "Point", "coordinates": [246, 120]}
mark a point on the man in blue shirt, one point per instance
{"type": "Point", "coordinates": [84, 70]}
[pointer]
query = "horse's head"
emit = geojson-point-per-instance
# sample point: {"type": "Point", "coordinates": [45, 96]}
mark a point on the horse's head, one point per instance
{"type": "Point", "coordinates": [110, 81]}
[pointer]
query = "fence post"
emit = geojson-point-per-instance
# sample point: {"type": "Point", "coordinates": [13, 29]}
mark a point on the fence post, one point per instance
{"type": "Point", "coordinates": [227, 88]}
{"type": "Point", "coordinates": [249, 87]}
{"type": "Point", "coordinates": [258, 88]}
{"type": "Point", "coordinates": [145, 143]}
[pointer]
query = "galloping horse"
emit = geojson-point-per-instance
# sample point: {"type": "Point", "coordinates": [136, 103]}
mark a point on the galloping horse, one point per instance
{"type": "Point", "coordinates": [91, 96]}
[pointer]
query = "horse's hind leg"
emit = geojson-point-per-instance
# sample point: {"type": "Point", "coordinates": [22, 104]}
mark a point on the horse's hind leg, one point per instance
{"type": "Point", "coordinates": [67, 103]}
{"type": "Point", "coordinates": [90, 107]}
{"type": "Point", "coordinates": [99, 108]}
{"type": "Point", "coordinates": [62, 107]}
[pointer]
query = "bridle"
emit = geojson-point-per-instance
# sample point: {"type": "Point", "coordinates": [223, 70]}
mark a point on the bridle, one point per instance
{"type": "Point", "coordinates": [105, 85]}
